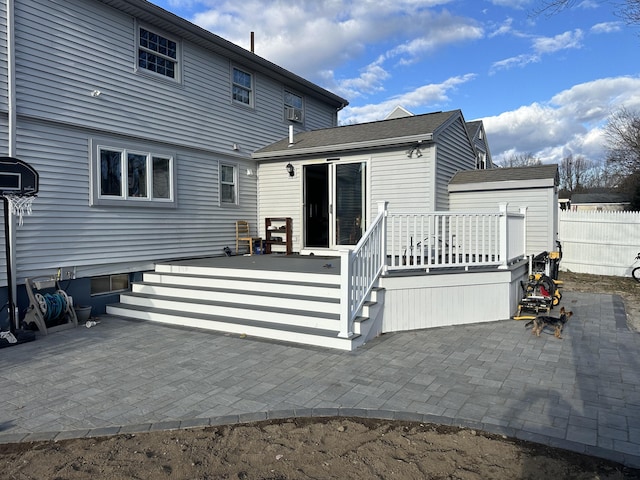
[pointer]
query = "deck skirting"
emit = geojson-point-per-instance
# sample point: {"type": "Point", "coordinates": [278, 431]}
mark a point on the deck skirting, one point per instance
{"type": "Point", "coordinates": [414, 302]}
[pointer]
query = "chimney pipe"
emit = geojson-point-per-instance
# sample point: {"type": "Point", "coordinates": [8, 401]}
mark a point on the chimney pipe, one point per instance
{"type": "Point", "coordinates": [253, 42]}
{"type": "Point", "coordinates": [290, 135]}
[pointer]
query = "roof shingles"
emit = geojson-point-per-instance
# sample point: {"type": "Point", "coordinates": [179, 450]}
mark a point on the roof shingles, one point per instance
{"type": "Point", "coordinates": [362, 132]}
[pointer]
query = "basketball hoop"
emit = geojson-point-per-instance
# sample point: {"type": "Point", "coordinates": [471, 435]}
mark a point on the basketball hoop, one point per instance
{"type": "Point", "coordinates": [20, 205]}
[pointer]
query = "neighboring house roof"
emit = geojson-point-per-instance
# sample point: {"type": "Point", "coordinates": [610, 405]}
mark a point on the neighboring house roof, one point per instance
{"type": "Point", "coordinates": [473, 127]}
{"type": "Point", "coordinates": [378, 134]}
{"type": "Point", "coordinates": [151, 14]}
{"type": "Point", "coordinates": [399, 112]}
{"type": "Point", "coordinates": [582, 198]}
{"type": "Point", "coordinates": [539, 175]}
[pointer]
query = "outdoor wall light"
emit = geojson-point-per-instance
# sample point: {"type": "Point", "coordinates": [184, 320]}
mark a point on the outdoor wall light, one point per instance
{"type": "Point", "coordinates": [415, 149]}
{"type": "Point", "coordinates": [95, 93]}
{"type": "Point", "coordinates": [290, 170]}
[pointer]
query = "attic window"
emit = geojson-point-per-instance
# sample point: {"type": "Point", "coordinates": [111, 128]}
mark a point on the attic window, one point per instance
{"type": "Point", "coordinates": [157, 54]}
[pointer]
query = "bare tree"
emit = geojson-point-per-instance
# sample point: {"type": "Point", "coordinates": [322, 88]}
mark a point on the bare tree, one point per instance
{"type": "Point", "coordinates": [629, 10]}
{"type": "Point", "coordinates": [573, 173]}
{"type": "Point", "coordinates": [623, 141]}
{"type": "Point", "coordinates": [520, 160]}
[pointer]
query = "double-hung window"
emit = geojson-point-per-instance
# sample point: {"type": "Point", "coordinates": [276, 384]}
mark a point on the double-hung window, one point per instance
{"type": "Point", "coordinates": [242, 87]}
{"type": "Point", "coordinates": [228, 184]}
{"type": "Point", "coordinates": [123, 175]}
{"type": "Point", "coordinates": [158, 54]}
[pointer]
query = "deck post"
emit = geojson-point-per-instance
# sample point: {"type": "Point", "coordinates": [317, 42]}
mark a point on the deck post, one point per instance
{"type": "Point", "coordinates": [382, 207]}
{"type": "Point", "coordinates": [346, 329]}
{"type": "Point", "coordinates": [523, 211]}
{"type": "Point", "coordinates": [504, 235]}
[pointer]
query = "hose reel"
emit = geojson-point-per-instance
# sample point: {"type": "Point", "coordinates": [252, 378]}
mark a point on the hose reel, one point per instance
{"type": "Point", "coordinates": [50, 306]}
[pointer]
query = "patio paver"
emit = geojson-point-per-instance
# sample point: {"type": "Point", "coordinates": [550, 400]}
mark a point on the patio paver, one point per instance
{"type": "Point", "coordinates": [580, 393]}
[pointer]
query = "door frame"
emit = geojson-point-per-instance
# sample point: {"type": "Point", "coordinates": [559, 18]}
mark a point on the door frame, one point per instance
{"type": "Point", "coordinates": [331, 164]}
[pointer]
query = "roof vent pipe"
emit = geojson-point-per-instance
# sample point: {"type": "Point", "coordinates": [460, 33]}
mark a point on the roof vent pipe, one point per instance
{"type": "Point", "coordinates": [290, 135]}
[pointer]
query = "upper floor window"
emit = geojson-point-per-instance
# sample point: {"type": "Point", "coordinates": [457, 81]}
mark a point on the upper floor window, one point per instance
{"type": "Point", "coordinates": [157, 53]}
{"type": "Point", "coordinates": [481, 161]}
{"type": "Point", "coordinates": [293, 107]}
{"type": "Point", "coordinates": [242, 89]}
{"type": "Point", "coordinates": [228, 183]}
{"type": "Point", "coordinates": [124, 174]}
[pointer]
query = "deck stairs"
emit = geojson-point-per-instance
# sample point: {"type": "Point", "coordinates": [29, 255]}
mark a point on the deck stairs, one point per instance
{"type": "Point", "coordinates": [288, 306]}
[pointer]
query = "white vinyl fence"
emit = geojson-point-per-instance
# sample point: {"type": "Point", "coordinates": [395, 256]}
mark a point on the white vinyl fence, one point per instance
{"type": "Point", "coordinates": [600, 243]}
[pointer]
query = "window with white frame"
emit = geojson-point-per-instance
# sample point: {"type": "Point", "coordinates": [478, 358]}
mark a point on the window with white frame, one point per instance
{"type": "Point", "coordinates": [158, 54]}
{"type": "Point", "coordinates": [293, 107]}
{"type": "Point", "coordinates": [131, 175]}
{"type": "Point", "coordinates": [481, 162]}
{"type": "Point", "coordinates": [228, 183]}
{"type": "Point", "coordinates": [242, 87]}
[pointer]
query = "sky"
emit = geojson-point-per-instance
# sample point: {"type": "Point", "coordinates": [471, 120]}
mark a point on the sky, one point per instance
{"type": "Point", "coordinates": [542, 84]}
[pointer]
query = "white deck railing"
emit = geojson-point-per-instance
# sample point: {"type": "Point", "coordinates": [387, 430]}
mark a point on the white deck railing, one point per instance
{"type": "Point", "coordinates": [422, 241]}
{"type": "Point", "coordinates": [425, 241]}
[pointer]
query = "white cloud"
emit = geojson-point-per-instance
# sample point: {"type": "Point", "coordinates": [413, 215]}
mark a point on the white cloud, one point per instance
{"type": "Point", "coordinates": [505, 28]}
{"type": "Point", "coordinates": [304, 35]}
{"type": "Point", "coordinates": [562, 41]}
{"type": "Point", "coordinates": [518, 4]}
{"type": "Point", "coordinates": [426, 96]}
{"type": "Point", "coordinates": [541, 46]}
{"type": "Point", "coordinates": [571, 120]}
{"type": "Point", "coordinates": [607, 27]}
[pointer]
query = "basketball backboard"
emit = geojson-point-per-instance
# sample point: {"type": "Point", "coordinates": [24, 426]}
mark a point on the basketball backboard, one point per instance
{"type": "Point", "coordinates": [17, 177]}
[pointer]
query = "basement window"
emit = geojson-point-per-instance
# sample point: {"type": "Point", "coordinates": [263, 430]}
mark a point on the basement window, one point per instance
{"type": "Point", "coordinates": [109, 284]}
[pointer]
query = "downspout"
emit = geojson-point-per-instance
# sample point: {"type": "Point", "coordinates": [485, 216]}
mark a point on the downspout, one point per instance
{"type": "Point", "coordinates": [11, 79]}
{"type": "Point", "coordinates": [12, 120]}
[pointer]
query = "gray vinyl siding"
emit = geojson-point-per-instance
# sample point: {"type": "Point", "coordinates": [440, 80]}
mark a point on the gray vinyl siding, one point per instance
{"type": "Point", "coordinates": [406, 183]}
{"type": "Point", "coordinates": [454, 153]}
{"type": "Point", "coordinates": [64, 51]}
{"type": "Point", "coordinates": [392, 177]}
{"type": "Point", "coordinates": [281, 196]}
{"type": "Point", "coordinates": [60, 60]}
{"type": "Point", "coordinates": [541, 211]}
{"type": "Point", "coordinates": [65, 231]}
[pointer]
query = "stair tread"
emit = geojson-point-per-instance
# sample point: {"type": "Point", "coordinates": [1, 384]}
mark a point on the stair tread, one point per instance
{"type": "Point", "coordinates": [251, 279]}
{"type": "Point", "coordinates": [244, 292]}
{"type": "Point", "coordinates": [217, 303]}
{"type": "Point", "coordinates": [232, 320]}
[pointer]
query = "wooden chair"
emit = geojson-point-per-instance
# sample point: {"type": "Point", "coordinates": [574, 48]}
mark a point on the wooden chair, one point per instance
{"type": "Point", "coordinates": [243, 236]}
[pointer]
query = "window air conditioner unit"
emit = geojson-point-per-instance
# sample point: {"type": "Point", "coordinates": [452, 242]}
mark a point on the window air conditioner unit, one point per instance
{"type": "Point", "coordinates": [293, 114]}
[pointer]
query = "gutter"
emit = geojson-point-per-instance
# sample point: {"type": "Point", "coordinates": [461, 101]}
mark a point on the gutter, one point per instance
{"type": "Point", "coordinates": [368, 144]}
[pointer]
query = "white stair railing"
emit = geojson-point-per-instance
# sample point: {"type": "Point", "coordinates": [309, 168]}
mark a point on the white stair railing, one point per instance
{"type": "Point", "coordinates": [360, 268]}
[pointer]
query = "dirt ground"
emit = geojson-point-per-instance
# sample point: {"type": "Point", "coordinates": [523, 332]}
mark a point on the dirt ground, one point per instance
{"type": "Point", "coordinates": [344, 448]}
